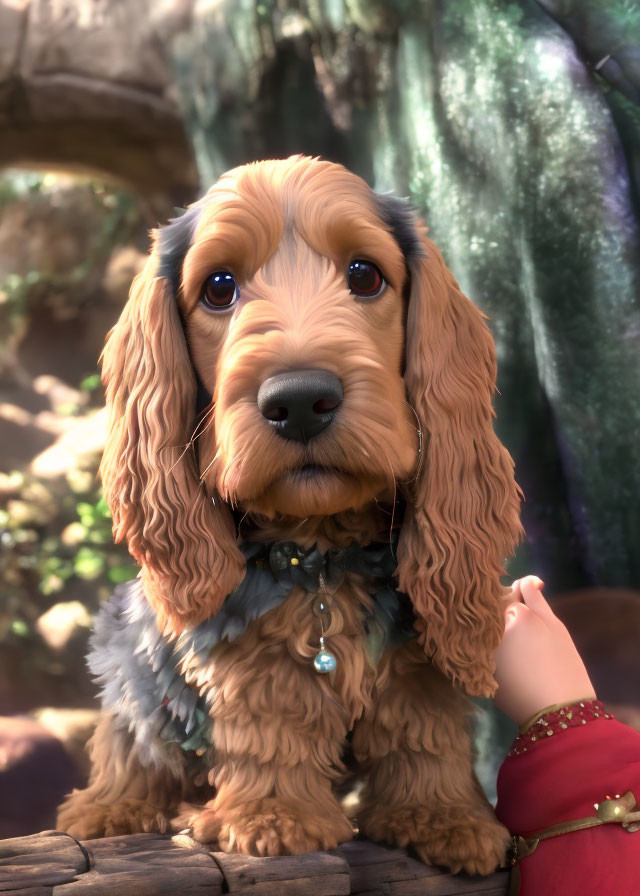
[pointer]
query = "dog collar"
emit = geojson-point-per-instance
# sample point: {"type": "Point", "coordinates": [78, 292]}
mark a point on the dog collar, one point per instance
{"type": "Point", "coordinates": [322, 574]}
{"type": "Point", "coordinates": [315, 571]}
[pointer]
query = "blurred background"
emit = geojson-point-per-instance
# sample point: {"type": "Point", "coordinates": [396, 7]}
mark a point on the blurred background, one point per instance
{"type": "Point", "coordinates": [514, 127]}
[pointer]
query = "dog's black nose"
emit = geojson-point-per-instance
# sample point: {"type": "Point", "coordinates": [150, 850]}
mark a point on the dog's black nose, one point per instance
{"type": "Point", "coordinates": [299, 404]}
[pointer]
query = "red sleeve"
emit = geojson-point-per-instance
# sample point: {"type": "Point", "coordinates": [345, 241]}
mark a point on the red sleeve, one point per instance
{"type": "Point", "coordinates": [551, 778]}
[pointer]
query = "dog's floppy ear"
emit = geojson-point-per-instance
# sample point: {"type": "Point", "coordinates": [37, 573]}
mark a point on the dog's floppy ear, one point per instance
{"type": "Point", "coordinates": [462, 520]}
{"type": "Point", "coordinates": [183, 540]}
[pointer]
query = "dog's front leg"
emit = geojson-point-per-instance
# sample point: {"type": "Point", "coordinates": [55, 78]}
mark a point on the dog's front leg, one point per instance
{"type": "Point", "coordinates": [278, 736]}
{"type": "Point", "coordinates": [125, 796]}
{"type": "Point", "coordinates": [421, 790]}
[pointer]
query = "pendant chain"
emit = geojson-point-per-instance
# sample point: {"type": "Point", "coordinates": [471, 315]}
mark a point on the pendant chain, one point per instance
{"type": "Point", "coordinates": [324, 660]}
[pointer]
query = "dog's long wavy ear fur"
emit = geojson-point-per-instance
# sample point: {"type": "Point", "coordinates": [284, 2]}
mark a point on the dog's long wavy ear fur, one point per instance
{"type": "Point", "coordinates": [463, 518]}
{"type": "Point", "coordinates": [184, 542]}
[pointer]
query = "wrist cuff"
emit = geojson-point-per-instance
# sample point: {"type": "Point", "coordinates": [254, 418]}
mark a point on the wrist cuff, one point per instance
{"type": "Point", "coordinates": [555, 720]}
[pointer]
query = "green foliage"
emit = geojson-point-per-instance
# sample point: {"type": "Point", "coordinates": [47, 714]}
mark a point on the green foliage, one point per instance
{"type": "Point", "coordinates": [55, 543]}
{"type": "Point", "coordinates": [63, 240]}
{"type": "Point", "coordinates": [18, 183]}
{"type": "Point", "coordinates": [90, 384]}
{"type": "Point", "coordinates": [108, 218]}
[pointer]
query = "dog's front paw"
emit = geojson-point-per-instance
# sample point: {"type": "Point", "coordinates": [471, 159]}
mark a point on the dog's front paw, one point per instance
{"type": "Point", "coordinates": [459, 839]}
{"type": "Point", "coordinates": [268, 828]}
{"type": "Point", "coordinates": [204, 824]}
{"type": "Point", "coordinates": [134, 817]}
{"type": "Point", "coordinates": [476, 844]}
{"type": "Point", "coordinates": [81, 818]}
{"type": "Point", "coordinates": [86, 820]}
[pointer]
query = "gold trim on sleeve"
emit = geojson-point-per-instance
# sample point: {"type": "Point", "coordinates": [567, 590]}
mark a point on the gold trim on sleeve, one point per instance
{"type": "Point", "coordinates": [553, 708]}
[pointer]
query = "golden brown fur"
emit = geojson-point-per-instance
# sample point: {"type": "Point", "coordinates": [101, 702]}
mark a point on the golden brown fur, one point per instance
{"type": "Point", "coordinates": [288, 231]}
{"type": "Point", "coordinates": [123, 795]}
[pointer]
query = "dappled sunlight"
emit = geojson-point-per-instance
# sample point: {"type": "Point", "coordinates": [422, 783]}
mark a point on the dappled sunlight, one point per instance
{"type": "Point", "coordinates": [80, 439]}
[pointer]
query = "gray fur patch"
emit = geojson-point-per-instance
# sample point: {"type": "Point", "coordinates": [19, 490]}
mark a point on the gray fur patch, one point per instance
{"type": "Point", "coordinates": [137, 667]}
{"type": "Point", "coordinates": [400, 217]}
{"type": "Point", "coordinates": [174, 240]}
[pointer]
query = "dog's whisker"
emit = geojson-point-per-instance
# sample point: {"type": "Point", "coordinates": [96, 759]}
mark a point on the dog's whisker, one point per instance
{"type": "Point", "coordinates": [185, 448]}
{"type": "Point", "coordinates": [201, 433]}
{"type": "Point", "coordinates": [381, 508]}
{"type": "Point", "coordinates": [393, 508]}
{"type": "Point", "coordinates": [242, 519]}
{"type": "Point", "coordinates": [209, 465]}
{"type": "Point", "coordinates": [207, 414]}
{"type": "Point", "coordinates": [418, 428]}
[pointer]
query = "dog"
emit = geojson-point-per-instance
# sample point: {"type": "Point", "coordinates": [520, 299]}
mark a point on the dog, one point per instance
{"type": "Point", "coordinates": [301, 458]}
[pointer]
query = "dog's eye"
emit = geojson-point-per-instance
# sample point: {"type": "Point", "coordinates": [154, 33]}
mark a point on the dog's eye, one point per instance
{"type": "Point", "coordinates": [365, 279]}
{"type": "Point", "coordinates": [220, 290]}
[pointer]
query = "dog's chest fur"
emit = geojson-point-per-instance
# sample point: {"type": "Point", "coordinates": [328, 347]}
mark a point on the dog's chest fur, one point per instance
{"type": "Point", "coordinates": [230, 679]}
{"type": "Point", "coordinates": [269, 671]}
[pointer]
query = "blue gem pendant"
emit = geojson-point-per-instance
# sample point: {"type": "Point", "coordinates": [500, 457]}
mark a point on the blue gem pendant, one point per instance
{"type": "Point", "coordinates": [324, 661]}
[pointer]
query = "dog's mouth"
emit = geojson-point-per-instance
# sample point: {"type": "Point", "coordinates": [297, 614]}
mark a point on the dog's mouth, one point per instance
{"type": "Point", "coordinates": [313, 489]}
{"type": "Point", "coordinates": [308, 472]}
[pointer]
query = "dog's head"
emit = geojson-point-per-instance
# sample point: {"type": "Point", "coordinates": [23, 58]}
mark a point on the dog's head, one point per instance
{"type": "Point", "coordinates": [325, 326]}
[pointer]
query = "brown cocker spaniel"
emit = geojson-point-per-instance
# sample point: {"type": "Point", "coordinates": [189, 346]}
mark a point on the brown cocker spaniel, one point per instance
{"type": "Point", "coordinates": [302, 460]}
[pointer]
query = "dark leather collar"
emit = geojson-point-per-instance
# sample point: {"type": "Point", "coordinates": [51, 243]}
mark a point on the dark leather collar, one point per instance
{"type": "Point", "coordinates": [311, 569]}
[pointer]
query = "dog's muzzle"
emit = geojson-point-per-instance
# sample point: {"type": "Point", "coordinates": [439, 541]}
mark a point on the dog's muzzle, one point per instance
{"type": "Point", "coordinates": [300, 404]}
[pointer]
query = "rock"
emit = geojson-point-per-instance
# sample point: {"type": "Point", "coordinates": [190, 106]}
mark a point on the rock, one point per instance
{"type": "Point", "coordinates": [33, 674]}
{"type": "Point", "coordinates": [84, 438]}
{"type": "Point", "coordinates": [58, 238]}
{"type": "Point", "coordinates": [87, 86]}
{"type": "Point", "coordinates": [72, 727]}
{"type": "Point", "coordinates": [35, 774]}
{"type": "Point", "coordinates": [124, 264]}
{"type": "Point", "coordinates": [61, 622]}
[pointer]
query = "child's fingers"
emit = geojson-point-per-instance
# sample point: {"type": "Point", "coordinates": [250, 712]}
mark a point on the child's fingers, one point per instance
{"type": "Point", "coordinates": [531, 581]}
{"type": "Point", "coordinates": [516, 587]}
{"type": "Point", "coordinates": [532, 596]}
{"type": "Point", "coordinates": [511, 616]}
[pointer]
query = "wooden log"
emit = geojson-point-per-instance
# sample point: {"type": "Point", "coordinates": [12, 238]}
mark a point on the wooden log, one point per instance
{"type": "Point", "coordinates": [40, 860]}
{"type": "Point", "coordinates": [376, 869]}
{"type": "Point", "coordinates": [145, 882]}
{"type": "Point", "coordinates": [146, 865]}
{"type": "Point", "coordinates": [310, 874]}
{"type": "Point", "coordinates": [54, 864]}
{"type": "Point", "coordinates": [33, 891]}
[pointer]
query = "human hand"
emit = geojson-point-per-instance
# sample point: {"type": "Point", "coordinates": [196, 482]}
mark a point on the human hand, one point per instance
{"type": "Point", "coordinates": [537, 664]}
